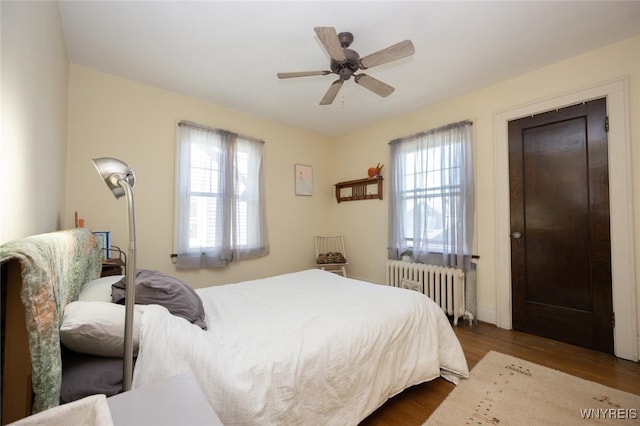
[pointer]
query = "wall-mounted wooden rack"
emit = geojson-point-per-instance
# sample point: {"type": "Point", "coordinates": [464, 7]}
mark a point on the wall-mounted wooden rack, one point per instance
{"type": "Point", "coordinates": [359, 189]}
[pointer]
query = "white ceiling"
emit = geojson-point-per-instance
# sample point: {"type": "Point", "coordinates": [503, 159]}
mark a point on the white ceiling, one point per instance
{"type": "Point", "coordinates": [228, 52]}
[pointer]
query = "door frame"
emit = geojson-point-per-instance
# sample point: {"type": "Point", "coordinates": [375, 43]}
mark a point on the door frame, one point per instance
{"type": "Point", "coordinates": [620, 200]}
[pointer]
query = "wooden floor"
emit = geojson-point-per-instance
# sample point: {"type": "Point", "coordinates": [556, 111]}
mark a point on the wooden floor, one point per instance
{"type": "Point", "coordinates": [415, 405]}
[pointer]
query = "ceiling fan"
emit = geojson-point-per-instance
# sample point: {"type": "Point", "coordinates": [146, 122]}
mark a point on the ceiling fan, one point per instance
{"type": "Point", "coordinates": [346, 62]}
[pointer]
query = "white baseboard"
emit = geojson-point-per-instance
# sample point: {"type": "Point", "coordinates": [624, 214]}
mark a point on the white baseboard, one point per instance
{"type": "Point", "coordinates": [487, 314]}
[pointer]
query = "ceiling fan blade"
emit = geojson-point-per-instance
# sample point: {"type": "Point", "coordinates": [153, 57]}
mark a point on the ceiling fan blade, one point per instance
{"type": "Point", "coordinates": [301, 74]}
{"type": "Point", "coordinates": [375, 85]}
{"type": "Point", "coordinates": [399, 50]}
{"type": "Point", "coordinates": [331, 43]}
{"type": "Point", "coordinates": [331, 93]}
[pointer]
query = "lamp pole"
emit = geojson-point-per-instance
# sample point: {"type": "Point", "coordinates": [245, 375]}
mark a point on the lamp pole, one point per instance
{"type": "Point", "coordinates": [127, 376]}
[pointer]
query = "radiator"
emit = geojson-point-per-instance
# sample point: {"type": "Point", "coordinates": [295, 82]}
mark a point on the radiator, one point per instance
{"type": "Point", "coordinates": [443, 285]}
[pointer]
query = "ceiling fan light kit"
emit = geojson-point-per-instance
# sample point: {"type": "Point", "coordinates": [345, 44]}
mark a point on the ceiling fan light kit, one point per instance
{"type": "Point", "coordinates": [346, 62]}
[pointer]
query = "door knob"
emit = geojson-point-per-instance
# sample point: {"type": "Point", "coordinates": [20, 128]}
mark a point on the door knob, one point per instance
{"type": "Point", "coordinates": [517, 235]}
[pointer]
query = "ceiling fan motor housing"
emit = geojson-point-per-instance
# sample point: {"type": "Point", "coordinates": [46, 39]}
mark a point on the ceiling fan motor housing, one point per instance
{"type": "Point", "coordinates": [347, 68]}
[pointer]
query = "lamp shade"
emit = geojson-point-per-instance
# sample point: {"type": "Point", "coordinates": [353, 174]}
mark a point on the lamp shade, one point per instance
{"type": "Point", "coordinates": [112, 170]}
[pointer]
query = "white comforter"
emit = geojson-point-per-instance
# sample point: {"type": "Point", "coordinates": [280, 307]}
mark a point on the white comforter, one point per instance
{"type": "Point", "coordinates": [302, 349]}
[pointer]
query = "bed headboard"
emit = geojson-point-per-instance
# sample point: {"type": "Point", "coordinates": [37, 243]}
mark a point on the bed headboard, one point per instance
{"type": "Point", "coordinates": [49, 270]}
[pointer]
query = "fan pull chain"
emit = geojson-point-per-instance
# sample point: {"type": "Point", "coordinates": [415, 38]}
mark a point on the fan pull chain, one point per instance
{"type": "Point", "coordinates": [342, 103]}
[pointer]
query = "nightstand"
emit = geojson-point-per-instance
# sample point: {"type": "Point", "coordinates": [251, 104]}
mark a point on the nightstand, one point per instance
{"type": "Point", "coordinates": [116, 264]}
{"type": "Point", "coordinates": [112, 267]}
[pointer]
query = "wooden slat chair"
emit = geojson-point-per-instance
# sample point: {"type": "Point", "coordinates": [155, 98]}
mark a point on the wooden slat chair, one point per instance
{"type": "Point", "coordinates": [331, 255]}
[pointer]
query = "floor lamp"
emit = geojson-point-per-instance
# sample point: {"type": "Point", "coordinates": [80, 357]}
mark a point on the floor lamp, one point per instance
{"type": "Point", "coordinates": [120, 179]}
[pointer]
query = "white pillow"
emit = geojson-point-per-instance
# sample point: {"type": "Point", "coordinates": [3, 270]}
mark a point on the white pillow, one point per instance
{"type": "Point", "coordinates": [97, 328]}
{"type": "Point", "coordinates": [98, 290]}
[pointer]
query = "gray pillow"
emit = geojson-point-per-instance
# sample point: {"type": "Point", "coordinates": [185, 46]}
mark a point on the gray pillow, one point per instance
{"type": "Point", "coordinates": [84, 375]}
{"type": "Point", "coordinates": [155, 287]}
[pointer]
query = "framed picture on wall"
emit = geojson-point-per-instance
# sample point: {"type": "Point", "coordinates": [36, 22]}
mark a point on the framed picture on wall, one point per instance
{"type": "Point", "coordinates": [103, 242]}
{"type": "Point", "coordinates": [303, 179]}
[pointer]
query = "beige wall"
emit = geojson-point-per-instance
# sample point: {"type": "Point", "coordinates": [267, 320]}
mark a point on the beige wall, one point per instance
{"type": "Point", "coordinates": [34, 119]}
{"type": "Point", "coordinates": [114, 117]}
{"type": "Point", "coordinates": [355, 152]}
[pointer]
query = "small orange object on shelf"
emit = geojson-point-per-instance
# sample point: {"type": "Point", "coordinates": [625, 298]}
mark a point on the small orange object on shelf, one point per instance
{"type": "Point", "coordinates": [375, 171]}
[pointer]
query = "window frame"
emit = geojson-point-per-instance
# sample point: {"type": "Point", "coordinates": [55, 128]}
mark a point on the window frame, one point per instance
{"type": "Point", "coordinates": [238, 232]}
{"type": "Point", "coordinates": [434, 171]}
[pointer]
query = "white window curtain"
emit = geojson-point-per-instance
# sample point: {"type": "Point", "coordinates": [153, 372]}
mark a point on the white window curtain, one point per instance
{"type": "Point", "coordinates": [220, 213]}
{"type": "Point", "coordinates": [432, 195]}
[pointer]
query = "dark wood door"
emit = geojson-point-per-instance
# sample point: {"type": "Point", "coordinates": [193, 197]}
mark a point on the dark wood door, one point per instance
{"type": "Point", "coordinates": [560, 237]}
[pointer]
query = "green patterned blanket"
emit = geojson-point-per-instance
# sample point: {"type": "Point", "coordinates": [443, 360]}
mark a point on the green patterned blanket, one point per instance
{"type": "Point", "coordinates": [54, 267]}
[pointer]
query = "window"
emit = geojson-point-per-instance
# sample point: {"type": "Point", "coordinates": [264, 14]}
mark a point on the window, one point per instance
{"type": "Point", "coordinates": [432, 194]}
{"type": "Point", "coordinates": [220, 198]}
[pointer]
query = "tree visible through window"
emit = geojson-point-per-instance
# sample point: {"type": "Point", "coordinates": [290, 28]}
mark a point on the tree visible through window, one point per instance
{"type": "Point", "coordinates": [221, 210]}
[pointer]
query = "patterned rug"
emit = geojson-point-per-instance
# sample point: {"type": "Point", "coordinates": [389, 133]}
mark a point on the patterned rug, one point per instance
{"type": "Point", "coordinates": [504, 390]}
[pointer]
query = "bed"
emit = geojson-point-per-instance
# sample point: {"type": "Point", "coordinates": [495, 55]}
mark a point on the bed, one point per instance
{"type": "Point", "coordinates": [308, 347]}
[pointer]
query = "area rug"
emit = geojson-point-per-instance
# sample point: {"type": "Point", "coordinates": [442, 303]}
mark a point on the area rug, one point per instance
{"type": "Point", "coordinates": [504, 390]}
